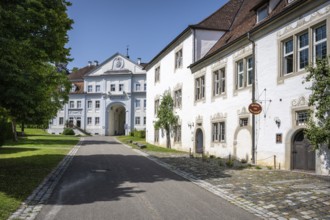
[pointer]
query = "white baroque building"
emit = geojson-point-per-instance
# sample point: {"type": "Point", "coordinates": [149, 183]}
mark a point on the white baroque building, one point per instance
{"type": "Point", "coordinates": [106, 99]}
{"type": "Point", "coordinates": [209, 69]}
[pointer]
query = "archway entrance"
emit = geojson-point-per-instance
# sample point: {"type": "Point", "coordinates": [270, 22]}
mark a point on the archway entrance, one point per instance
{"type": "Point", "coordinates": [116, 120]}
{"type": "Point", "coordinates": [303, 156]}
{"type": "Point", "coordinates": [199, 141]}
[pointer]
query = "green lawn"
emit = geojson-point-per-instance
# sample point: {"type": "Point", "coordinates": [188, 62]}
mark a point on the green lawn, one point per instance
{"type": "Point", "coordinates": [150, 147]}
{"type": "Point", "coordinates": [23, 165]}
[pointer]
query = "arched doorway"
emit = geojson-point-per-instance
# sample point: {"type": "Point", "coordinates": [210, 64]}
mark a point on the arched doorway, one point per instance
{"type": "Point", "coordinates": [199, 141]}
{"type": "Point", "coordinates": [303, 156]}
{"type": "Point", "coordinates": [116, 120]}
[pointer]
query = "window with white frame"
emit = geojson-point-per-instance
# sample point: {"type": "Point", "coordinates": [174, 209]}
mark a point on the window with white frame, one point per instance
{"type": "Point", "coordinates": [137, 120]}
{"type": "Point", "coordinates": [89, 120]}
{"type": "Point", "coordinates": [178, 98]}
{"type": "Point", "coordinates": [71, 103]}
{"type": "Point", "coordinates": [301, 117]}
{"type": "Point", "coordinates": [157, 74]}
{"type": "Point", "coordinates": [218, 132]}
{"type": "Point", "coordinates": [145, 103]}
{"type": "Point", "coordinates": [89, 104]}
{"type": "Point", "coordinates": [137, 103]}
{"type": "Point", "coordinates": [244, 73]}
{"type": "Point", "coordinates": [97, 104]}
{"type": "Point", "coordinates": [145, 86]}
{"type": "Point", "coordinates": [61, 121]}
{"type": "Point", "coordinates": [137, 87]}
{"type": "Point", "coordinates": [97, 120]}
{"type": "Point", "coordinates": [78, 104]}
{"type": "Point", "coordinates": [219, 82]}
{"type": "Point", "coordinates": [156, 106]}
{"type": "Point", "coordinates": [178, 59]}
{"type": "Point", "coordinates": [177, 133]}
{"type": "Point", "coordinates": [144, 120]}
{"type": "Point", "coordinates": [299, 50]}
{"type": "Point", "coordinates": [113, 87]}
{"type": "Point", "coordinates": [97, 88]}
{"type": "Point", "coordinates": [89, 88]}
{"type": "Point", "coordinates": [262, 13]}
{"type": "Point", "coordinates": [200, 88]}
{"type": "Point", "coordinates": [121, 87]}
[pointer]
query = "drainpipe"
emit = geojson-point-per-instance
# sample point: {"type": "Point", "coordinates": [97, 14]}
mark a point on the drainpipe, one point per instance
{"type": "Point", "coordinates": [253, 98]}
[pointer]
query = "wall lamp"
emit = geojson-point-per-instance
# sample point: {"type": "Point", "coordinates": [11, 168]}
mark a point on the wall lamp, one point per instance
{"type": "Point", "coordinates": [277, 121]}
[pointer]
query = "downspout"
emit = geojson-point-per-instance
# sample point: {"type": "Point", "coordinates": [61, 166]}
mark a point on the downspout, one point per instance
{"type": "Point", "coordinates": [132, 109]}
{"type": "Point", "coordinates": [253, 99]}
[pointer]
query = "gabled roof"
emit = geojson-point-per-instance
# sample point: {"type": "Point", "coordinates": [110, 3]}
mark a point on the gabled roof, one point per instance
{"type": "Point", "coordinates": [220, 20]}
{"type": "Point", "coordinates": [79, 74]}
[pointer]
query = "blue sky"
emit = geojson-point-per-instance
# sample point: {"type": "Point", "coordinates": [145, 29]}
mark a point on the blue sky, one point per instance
{"type": "Point", "coordinates": [104, 27]}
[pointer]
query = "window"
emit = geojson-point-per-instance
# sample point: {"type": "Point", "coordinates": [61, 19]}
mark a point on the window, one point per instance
{"type": "Point", "coordinates": [157, 74]}
{"type": "Point", "coordinates": [137, 87]}
{"type": "Point", "coordinates": [89, 120]}
{"type": "Point", "coordinates": [89, 104]}
{"type": "Point", "coordinates": [145, 87]}
{"type": "Point", "coordinates": [137, 120]}
{"type": "Point", "coordinates": [301, 117]}
{"type": "Point", "coordinates": [200, 88]}
{"type": "Point", "coordinates": [177, 133]}
{"type": "Point", "coordinates": [90, 88]}
{"type": "Point", "coordinates": [73, 88]}
{"type": "Point", "coordinates": [219, 82]}
{"type": "Point", "coordinates": [97, 104]}
{"type": "Point", "coordinates": [97, 120]}
{"type": "Point", "coordinates": [288, 57]}
{"type": "Point", "coordinates": [320, 42]}
{"type": "Point", "coordinates": [156, 106]}
{"type": "Point", "coordinates": [121, 87]}
{"type": "Point", "coordinates": [112, 87]}
{"type": "Point", "coordinates": [144, 120]}
{"type": "Point", "coordinates": [244, 73]}
{"type": "Point", "coordinates": [137, 103]}
{"type": "Point", "coordinates": [240, 74]}
{"type": "Point", "coordinates": [61, 121]}
{"type": "Point", "coordinates": [156, 136]}
{"type": "Point", "coordinates": [249, 70]}
{"type": "Point", "coordinates": [178, 59]}
{"type": "Point", "coordinates": [243, 122]}
{"type": "Point", "coordinates": [278, 138]}
{"type": "Point", "coordinates": [97, 88]}
{"type": "Point", "coordinates": [262, 13]}
{"type": "Point", "coordinates": [71, 104]}
{"type": "Point", "coordinates": [78, 104]}
{"type": "Point", "coordinates": [218, 132]}
{"type": "Point", "coordinates": [145, 103]}
{"type": "Point", "coordinates": [177, 98]}
{"type": "Point", "coordinates": [299, 50]}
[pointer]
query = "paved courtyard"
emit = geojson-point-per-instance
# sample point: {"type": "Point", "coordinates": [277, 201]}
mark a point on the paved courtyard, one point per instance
{"type": "Point", "coordinates": [270, 194]}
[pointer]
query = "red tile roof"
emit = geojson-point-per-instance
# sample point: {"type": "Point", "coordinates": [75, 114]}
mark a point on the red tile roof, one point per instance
{"type": "Point", "coordinates": [79, 88]}
{"type": "Point", "coordinates": [79, 74]}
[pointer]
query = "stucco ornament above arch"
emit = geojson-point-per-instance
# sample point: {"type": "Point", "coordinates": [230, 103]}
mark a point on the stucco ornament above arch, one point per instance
{"type": "Point", "coordinates": [302, 101]}
{"type": "Point", "coordinates": [199, 120]}
{"type": "Point", "coordinates": [303, 21]}
{"type": "Point", "coordinates": [243, 112]}
{"type": "Point", "coordinates": [218, 116]}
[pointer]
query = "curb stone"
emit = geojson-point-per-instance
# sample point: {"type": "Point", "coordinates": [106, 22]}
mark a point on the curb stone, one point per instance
{"type": "Point", "coordinates": [30, 208]}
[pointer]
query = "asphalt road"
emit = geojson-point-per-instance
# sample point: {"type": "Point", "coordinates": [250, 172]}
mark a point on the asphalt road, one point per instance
{"type": "Point", "coordinates": [107, 180]}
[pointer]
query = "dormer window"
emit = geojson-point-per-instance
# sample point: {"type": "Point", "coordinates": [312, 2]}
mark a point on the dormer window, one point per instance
{"type": "Point", "coordinates": [262, 13]}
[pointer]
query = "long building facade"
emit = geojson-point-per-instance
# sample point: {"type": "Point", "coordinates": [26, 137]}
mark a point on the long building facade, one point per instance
{"type": "Point", "coordinates": [105, 99]}
{"type": "Point", "coordinates": [210, 68]}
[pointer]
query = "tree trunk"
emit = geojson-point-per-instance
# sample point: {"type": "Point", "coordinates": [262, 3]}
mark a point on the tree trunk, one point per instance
{"type": "Point", "coordinates": [22, 129]}
{"type": "Point", "coordinates": [168, 138]}
{"type": "Point", "coordinates": [13, 127]}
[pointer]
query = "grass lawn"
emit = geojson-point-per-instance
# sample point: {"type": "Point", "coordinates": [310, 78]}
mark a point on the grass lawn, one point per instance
{"type": "Point", "coordinates": [150, 147]}
{"type": "Point", "coordinates": [24, 164]}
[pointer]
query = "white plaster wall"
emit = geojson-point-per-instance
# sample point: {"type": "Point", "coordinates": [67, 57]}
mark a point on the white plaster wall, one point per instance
{"type": "Point", "coordinates": [205, 40]}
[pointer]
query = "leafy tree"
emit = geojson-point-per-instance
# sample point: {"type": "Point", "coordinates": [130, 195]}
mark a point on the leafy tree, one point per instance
{"type": "Point", "coordinates": [318, 131]}
{"type": "Point", "coordinates": [33, 34]}
{"type": "Point", "coordinates": [166, 117]}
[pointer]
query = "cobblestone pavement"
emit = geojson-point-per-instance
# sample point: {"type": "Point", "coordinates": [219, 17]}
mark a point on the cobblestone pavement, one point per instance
{"type": "Point", "coordinates": [269, 194]}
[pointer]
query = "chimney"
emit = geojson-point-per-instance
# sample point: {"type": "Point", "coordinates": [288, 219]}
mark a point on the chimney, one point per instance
{"type": "Point", "coordinates": [96, 63]}
{"type": "Point", "coordinates": [89, 63]}
{"type": "Point", "coordinates": [139, 61]}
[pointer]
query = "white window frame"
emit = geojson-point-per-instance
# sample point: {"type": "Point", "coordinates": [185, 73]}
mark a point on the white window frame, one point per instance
{"type": "Point", "coordinates": [177, 134]}
{"type": "Point", "coordinates": [200, 88]}
{"type": "Point", "coordinates": [89, 120]}
{"type": "Point", "coordinates": [60, 120]}
{"type": "Point", "coordinates": [178, 98]}
{"type": "Point", "coordinates": [219, 82]}
{"type": "Point", "coordinates": [137, 103]}
{"type": "Point", "coordinates": [78, 104]}
{"type": "Point", "coordinates": [71, 104]}
{"type": "Point", "coordinates": [97, 88]}
{"type": "Point", "coordinates": [218, 131]}
{"type": "Point", "coordinates": [121, 87]}
{"type": "Point", "coordinates": [301, 49]}
{"type": "Point", "coordinates": [178, 59]}
{"type": "Point", "coordinates": [157, 74]}
{"type": "Point", "coordinates": [97, 104]}
{"type": "Point", "coordinates": [259, 13]}
{"type": "Point", "coordinates": [137, 87]}
{"type": "Point", "coordinates": [137, 120]}
{"type": "Point", "coordinates": [240, 74]}
{"type": "Point", "coordinates": [89, 88]}
{"type": "Point", "coordinates": [112, 87]}
{"type": "Point", "coordinates": [319, 42]}
{"type": "Point", "coordinates": [97, 120]}
{"type": "Point", "coordinates": [89, 104]}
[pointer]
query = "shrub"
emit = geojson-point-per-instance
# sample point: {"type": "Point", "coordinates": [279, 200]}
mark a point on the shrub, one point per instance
{"type": "Point", "coordinates": [68, 131]}
{"type": "Point", "coordinates": [230, 163]}
{"type": "Point", "coordinates": [140, 133]}
{"type": "Point", "coordinates": [5, 128]}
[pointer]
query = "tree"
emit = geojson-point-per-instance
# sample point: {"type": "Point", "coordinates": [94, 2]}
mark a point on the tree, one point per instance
{"type": "Point", "coordinates": [33, 34]}
{"type": "Point", "coordinates": [318, 131]}
{"type": "Point", "coordinates": [166, 117]}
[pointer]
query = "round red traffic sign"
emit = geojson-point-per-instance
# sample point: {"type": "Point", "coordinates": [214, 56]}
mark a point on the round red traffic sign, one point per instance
{"type": "Point", "coordinates": [255, 108]}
